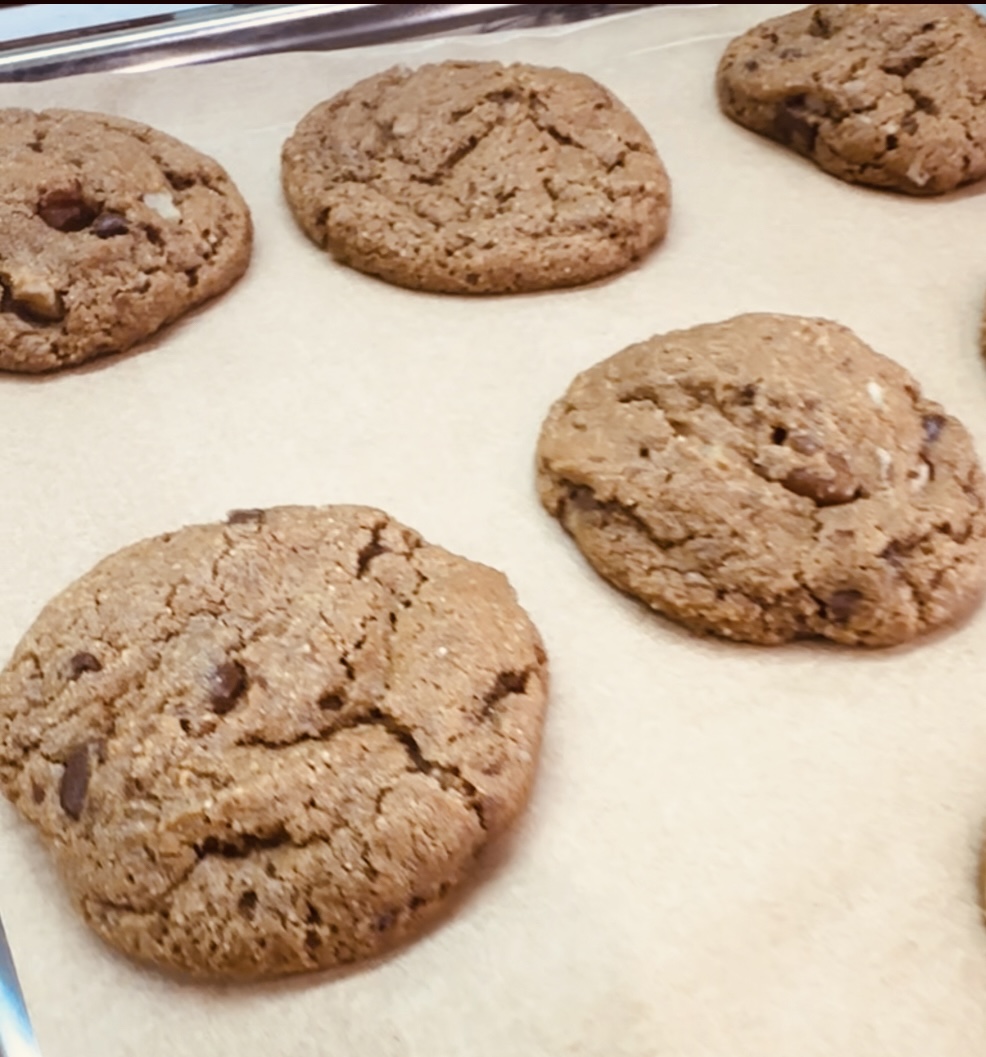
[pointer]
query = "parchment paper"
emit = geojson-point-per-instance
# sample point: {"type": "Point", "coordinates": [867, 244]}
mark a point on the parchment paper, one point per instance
{"type": "Point", "coordinates": [730, 851]}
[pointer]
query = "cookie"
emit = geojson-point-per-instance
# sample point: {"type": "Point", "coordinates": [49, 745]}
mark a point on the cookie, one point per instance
{"type": "Point", "coordinates": [108, 231]}
{"type": "Point", "coordinates": [888, 95]}
{"type": "Point", "coordinates": [769, 478]}
{"type": "Point", "coordinates": [473, 177]}
{"type": "Point", "coordinates": [275, 744]}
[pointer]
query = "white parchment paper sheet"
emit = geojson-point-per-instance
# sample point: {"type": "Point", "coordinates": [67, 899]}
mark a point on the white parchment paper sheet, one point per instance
{"type": "Point", "coordinates": [730, 851]}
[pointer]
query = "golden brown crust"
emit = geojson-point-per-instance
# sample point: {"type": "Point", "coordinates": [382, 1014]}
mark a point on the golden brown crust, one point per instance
{"type": "Point", "coordinates": [889, 95]}
{"type": "Point", "coordinates": [110, 230]}
{"type": "Point", "coordinates": [275, 744]}
{"type": "Point", "coordinates": [469, 177]}
{"type": "Point", "coordinates": [769, 478]}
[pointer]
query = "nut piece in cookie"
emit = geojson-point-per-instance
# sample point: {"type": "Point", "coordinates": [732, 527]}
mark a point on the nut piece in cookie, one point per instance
{"type": "Point", "coordinates": [110, 230]}
{"type": "Point", "coordinates": [275, 744]}
{"type": "Point", "coordinates": [769, 478]}
{"type": "Point", "coordinates": [473, 177]}
{"type": "Point", "coordinates": [888, 95]}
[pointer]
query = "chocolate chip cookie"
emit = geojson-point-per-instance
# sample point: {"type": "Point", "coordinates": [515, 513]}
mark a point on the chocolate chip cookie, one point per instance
{"type": "Point", "coordinates": [769, 478]}
{"type": "Point", "coordinates": [889, 95]}
{"type": "Point", "coordinates": [473, 177]}
{"type": "Point", "coordinates": [108, 231]}
{"type": "Point", "coordinates": [274, 744]}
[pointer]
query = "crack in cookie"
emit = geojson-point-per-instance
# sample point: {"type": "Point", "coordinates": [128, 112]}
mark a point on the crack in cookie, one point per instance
{"type": "Point", "coordinates": [274, 744]}
{"type": "Point", "coordinates": [473, 177]}
{"type": "Point", "coordinates": [111, 230]}
{"type": "Point", "coordinates": [769, 478]}
{"type": "Point", "coordinates": [889, 95]}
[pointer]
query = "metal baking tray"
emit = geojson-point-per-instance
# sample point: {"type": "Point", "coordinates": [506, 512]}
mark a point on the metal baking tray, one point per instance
{"type": "Point", "coordinates": [232, 31]}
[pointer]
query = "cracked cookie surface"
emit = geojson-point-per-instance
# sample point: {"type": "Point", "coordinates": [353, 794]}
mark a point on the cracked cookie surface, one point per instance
{"type": "Point", "coordinates": [769, 478]}
{"type": "Point", "coordinates": [274, 744]}
{"type": "Point", "coordinates": [473, 177]}
{"type": "Point", "coordinates": [110, 230]}
{"type": "Point", "coordinates": [889, 95]}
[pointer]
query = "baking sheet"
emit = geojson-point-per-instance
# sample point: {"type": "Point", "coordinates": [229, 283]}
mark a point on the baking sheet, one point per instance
{"type": "Point", "coordinates": [730, 850]}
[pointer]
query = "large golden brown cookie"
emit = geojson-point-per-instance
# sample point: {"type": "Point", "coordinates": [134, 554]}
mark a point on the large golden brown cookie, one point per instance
{"type": "Point", "coordinates": [274, 744]}
{"type": "Point", "coordinates": [110, 230]}
{"type": "Point", "coordinates": [472, 177]}
{"type": "Point", "coordinates": [889, 95]}
{"type": "Point", "coordinates": [769, 478]}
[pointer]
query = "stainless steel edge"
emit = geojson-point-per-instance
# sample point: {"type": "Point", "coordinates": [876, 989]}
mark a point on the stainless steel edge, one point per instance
{"type": "Point", "coordinates": [16, 1036]}
{"type": "Point", "coordinates": [231, 31]}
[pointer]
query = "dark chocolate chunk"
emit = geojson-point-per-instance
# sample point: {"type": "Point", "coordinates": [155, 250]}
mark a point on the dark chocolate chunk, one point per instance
{"type": "Point", "coordinates": [65, 210]}
{"type": "Point", "coordinates": [385, 921]}
{"type": "Point", "coordinates": [842, 604]}
{"type": "Point", "coordinates": [793, 126]}
{"type": "Point", "coordinates": [81, 663]}
{"type": "Point", "coordinates": [74, 783]}
{"type": "Point", "coordinates": [227, 681]}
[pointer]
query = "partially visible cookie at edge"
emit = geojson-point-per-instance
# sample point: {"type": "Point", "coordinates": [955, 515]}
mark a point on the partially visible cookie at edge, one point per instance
{"type": "Point", "coordinates": [275, 744]}
{"type": "Point", "coordinates": [887, 95]}
{"type": "Point", "coordinates": [769, 478]}
{"type": "Point", "coordinates": [474, 177]}
{"type": "Point", "coordinates": [110, 230]}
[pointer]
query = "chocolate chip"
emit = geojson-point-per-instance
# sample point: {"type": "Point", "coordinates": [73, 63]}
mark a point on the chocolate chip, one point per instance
{"type": "Point", "coordinates": [842, 604]}
{"type": "Point", "coordinates": [331, 702]}
{"type": "Point", "coordinates": [106, 225]}
{"type": "Point", "coordinates": [312, 940]}
{"type": "Point", "coordinates": [779, 435]}
{"type": "Point", "coordinates": [239, 517]}
{"type": "Point", "coordinates": [385, 921]}
{"type": "Point", "coordinates": [65, 210]}
{"type": "Point", "coordinates": [74, 783]}
{"type": "Point", "coordinates": [790, 53]}
{"type": "Point", "coordinates": [227, 682]}
{"type": "Point", "coordinates": [792, 126]}
{"type": "Point", "coordinates": [932, 425]}
{"type": "Point", "coordinates": [37, 792]}
{"type": "Point", "coordinates": [751, 65]}
{"type": "Point", "coordinates": [247, 904]}
{"type": "Point", "coordinates": [747, 395]}
{"type": "Point", "coordinates": [826, 489]}
{"type": "Point", "coordinates": [81, 663]}
{"type": "Point", "coordinates": [904, 65]}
